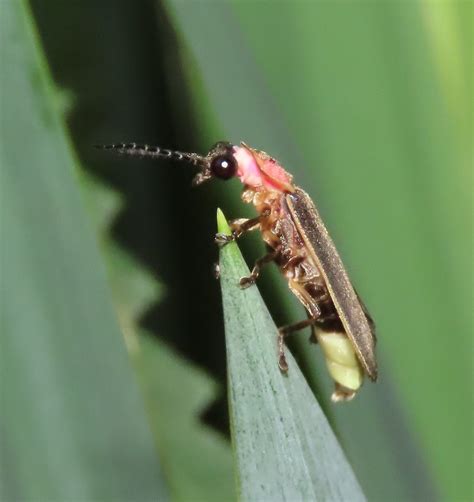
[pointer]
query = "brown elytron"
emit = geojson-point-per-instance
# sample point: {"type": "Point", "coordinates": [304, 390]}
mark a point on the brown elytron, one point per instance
{"type": "Point", "coordinates": [324, 254]}
{"type": "Point", "coordinates": [300, 245]}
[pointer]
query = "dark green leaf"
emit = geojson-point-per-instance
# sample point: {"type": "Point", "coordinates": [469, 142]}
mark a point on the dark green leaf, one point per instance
{"type": "Point", "coordinates": [197, 461]}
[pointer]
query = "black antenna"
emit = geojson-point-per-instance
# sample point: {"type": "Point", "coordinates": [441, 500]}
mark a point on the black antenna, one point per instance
{"type": "Point", "coordinates": [153, 152]}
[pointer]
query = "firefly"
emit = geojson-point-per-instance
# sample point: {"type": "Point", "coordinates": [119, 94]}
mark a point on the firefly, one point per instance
{"type": "Point", "coordinates": [299, 243]}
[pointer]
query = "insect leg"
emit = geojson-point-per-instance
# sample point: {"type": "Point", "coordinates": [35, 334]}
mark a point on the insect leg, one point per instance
{"type": "Point", "coordinates": [245, 282]}
{"type": "Point", "coordinates": [239, 227]}
{"type": "Point", "coordinates": [283, 332]}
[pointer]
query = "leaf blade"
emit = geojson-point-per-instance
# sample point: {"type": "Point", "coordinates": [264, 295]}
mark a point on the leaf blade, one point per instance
{"type": "Point", "coordinates": [73, 419]}
{"type": "Point", "coordinates": [196, 460]}
{"type": "Point", "coordinates": [285, 448]}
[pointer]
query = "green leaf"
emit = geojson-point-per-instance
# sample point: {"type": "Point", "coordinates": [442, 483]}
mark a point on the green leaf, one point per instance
{"type": "Point", "coordinates": [197, 461]}
{"type": "Point", "coordinates": [360, 102]}
{"type": "Point", "coordinates": [285, 448]}
{"type": "Point", "coordinates": [73, 421]}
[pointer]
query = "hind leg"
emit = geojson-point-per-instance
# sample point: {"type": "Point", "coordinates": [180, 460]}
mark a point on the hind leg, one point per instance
{"type": "Point", "coordinates": [283, 332]}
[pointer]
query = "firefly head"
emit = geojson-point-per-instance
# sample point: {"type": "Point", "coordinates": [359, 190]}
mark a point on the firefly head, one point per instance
{"type": "Point", "coordinates": [255, 169]}
{"type": "Point", "coordinates": [218, 163]}
{"type": "Point", "coordinates": [222, 162]}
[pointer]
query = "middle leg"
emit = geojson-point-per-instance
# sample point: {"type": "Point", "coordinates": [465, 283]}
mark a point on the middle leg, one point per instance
{"type": "Point", "coordinates": [247, 281]}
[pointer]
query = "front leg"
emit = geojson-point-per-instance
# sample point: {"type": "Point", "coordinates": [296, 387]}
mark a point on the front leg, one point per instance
{"type": "Point", "coordinates": [238, 227]}
{"type": "Point", "coordinates": [245, 282]}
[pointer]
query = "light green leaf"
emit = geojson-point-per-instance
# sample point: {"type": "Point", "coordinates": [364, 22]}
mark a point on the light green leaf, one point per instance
{"type": "Point", "coordinates": [285, 448]}
{"type": "Point", "coordinates": [73, 421]}
{"type": "Point", "coordinates": [357, 101]}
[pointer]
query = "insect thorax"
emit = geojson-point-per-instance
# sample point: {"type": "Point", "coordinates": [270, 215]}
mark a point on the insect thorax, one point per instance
{"type": "Point", "coordinates": [280, 233]}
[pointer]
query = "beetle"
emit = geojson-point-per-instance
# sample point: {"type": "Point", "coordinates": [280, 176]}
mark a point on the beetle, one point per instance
{"type": "Point", "coordinates": [299, 243]}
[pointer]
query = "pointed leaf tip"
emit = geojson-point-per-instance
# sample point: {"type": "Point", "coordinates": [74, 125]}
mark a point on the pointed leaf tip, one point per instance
{"type": "Point", "coordinates": [222, 225]}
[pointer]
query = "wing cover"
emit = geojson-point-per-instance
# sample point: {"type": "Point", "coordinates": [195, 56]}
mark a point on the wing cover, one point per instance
{"type": "Point", "coordinates": [346, 301]}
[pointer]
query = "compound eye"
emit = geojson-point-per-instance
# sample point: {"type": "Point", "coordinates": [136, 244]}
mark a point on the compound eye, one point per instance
{"type": "Point", "coordinates": [224, 166]}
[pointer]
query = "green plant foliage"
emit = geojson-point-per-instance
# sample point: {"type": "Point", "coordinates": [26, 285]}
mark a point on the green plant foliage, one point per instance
{"type": "Point", "coordinates": [197, 461]}
{"type": "Point", "coordinates": [357, 100]}
{"type": "Point", "coordinates": [73, 422]}
{"type": "Point", "coordinates": [285, 448]}
{"type": "Point", "coordinates": [368, 104]}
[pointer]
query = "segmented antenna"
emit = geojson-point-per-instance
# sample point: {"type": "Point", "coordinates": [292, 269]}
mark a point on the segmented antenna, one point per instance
{"type": "Point", "coordinates": [134, 150]}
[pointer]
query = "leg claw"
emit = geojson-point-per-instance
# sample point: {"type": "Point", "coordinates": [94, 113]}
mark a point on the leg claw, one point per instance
{"type": "Point", "coordinates": [246, 282]}
{"type": "Point", "coordinates": [217, 271]}
{"type": "Point", "coordinates": [223, 239]}
{"type": "Point", "coordinates": [282, 364]}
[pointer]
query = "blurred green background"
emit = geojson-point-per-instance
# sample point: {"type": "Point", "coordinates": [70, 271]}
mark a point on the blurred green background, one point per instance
{"type": "Point", "coordinates": [368, 104]}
